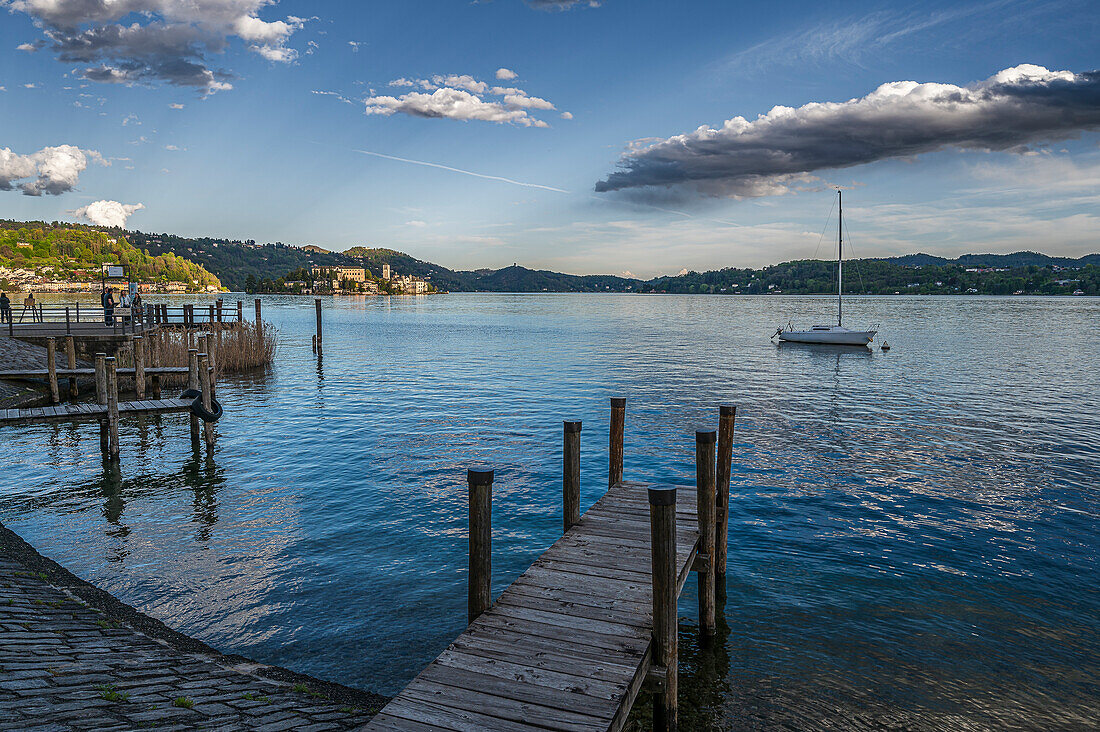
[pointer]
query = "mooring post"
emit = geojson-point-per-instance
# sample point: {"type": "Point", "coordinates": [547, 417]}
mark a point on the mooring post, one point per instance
{"type": "Point", "coordinates": [68, 324]}
{"type": "Point", "coordinates": [204, 385]}
{"type": "Point", "coordinates": [213, 348]}
{"type": "Point", "coordinates": [258, 319]}
{"type": "Point", "coordinates": [662, 533]}
{"type": "Point", "coordinates": [112, 408]}
{"type": "Point", "coordinates": [138, 345]}
{"type": "Point", "coordinates": [219, 308]}
{"type": "Point", "coordinates": [727, 414]}
{"type": "Point", "coordinates": [317, 305]}
{"type": "Point", "coordinates": [211, 317]}
{"type": "Point", "coordinates": [481, 541]}
{"type": "Point", "coordinates": [240, 312]}
{"type": "Point", "coordinates": [101, 378]}
{"type": "Point", "coordinates": [51, 369]}
{"type": "Point", "coordinates": [70, 360]}
{"type": "Point", "coordinates": [615, 442]}
{"type": "Point", "coordinates": [193, 383]}
{"type": "Point", "coordinates": [571, 474]}
{"type": "Point", "coordinates": [704, 488]}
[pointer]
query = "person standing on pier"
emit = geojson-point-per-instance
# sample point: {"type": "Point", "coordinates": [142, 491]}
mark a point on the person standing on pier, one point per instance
{"type": "Point", "coordinates": [107, 299]}
{"type": "Point", "coordinates": [5, 308]}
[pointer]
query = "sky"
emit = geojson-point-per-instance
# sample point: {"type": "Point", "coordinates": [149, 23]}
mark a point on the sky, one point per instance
{"type": "Point", "coordinates": [623, 136]}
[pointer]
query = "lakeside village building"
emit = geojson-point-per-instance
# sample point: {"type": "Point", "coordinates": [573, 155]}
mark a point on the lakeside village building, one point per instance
{"type": "Point", "coordinates": [356, 279]}
{"type": "Point", "coordinates": [43, 280]}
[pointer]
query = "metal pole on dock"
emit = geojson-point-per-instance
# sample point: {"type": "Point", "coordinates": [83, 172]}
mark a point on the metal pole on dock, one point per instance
{"type": "Point", "coordinates": [317, 305]}
{"type": "Point", "coordinates": [727, 414]}
{"type": "Point", "coordinates": [138, 346]}
{"type": "Point", "coordinates": [615, 442]}
{"type": "Point", "coordinates": [571, 474]}
{"type": "Point", "coordinates": [68, 324]}
{"type": "Point", "coordinates": [51, 368]}
{"type": "Point", "coordinates": [662, 530]}
{"type": "Point", "coordinates": [704, 487]}
{"type": "Point", "coordinates": [193, 383]}
{"type": "Point", "coordinates": [112, 408]}
{"type": "Point", "coordinates": [70, 359]}
{"type": "Point", "coordinates": [204, 385]}
{"type": "Point", "coordinates": [481, 541]}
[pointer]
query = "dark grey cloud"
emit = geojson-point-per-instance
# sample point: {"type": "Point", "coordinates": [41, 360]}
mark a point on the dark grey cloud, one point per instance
{"type": "Point", "coordinates": [146, 41]}
{"type": "Point", "coordinates": [783, 149]}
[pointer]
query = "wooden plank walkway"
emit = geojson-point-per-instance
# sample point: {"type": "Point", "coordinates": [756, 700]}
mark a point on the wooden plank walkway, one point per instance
{"type": "Point", "coordinates": [65, 373]}
{"type": "Point", "coordinates": [67, 412]}
{"type": "Point", "coordinates": [569, 644]}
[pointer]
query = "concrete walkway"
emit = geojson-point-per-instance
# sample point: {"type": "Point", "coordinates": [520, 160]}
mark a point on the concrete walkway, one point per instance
{"type": "Point", "coordinates": [66, 664]}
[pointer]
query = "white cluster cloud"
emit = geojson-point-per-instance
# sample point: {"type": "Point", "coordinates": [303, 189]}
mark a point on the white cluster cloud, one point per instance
{"type": "Point", "coordinates": [462, 97]}
{"type": "Point", "coordinates": [506, 74]}
{"type": "Point", "coordinates": [142, 41]}
{"type": "Point", "coordinates": [108, 213]}
{"type": "Point", "coordinates": [782, 149]}
{"type": "Point", "coordinates": [50, 171]}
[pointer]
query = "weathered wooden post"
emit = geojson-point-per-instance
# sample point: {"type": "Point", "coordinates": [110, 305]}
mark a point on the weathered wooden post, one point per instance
{"type": "Point", "coordinates": [727, 414]}
{"type": "Point", "coordinates": [480, 483]}
{"type": "Point", "coordinates": [193, 383]}
{"type": "Point", "coordinates": [138, 346]}
{"type": "Point", "coordinates": [101, 378]}
{"type": "Point", "coordinates": [258, 318]}
{"type": "Point", "coordinates": [213, 349]}
{"type": "Point", "coordinates": [240, 312]}
{"type": "Point", "coordinates": [204, 385]}
{"type": "Point", "coordinates": [615, 442]}
{"type": "Point", "coordinates": [571, 474]}
{"type": "Point", "coordinates": [317, 305]}
{"type": "Point", "coordinates": [704, 488]}
{"type": "Point", "coordinates": [51, 369]}
{"type": "Point", "coordinates": [68, 324]}
{"type": "Point", "coordinates": [112, 408]}
{"type": "Point", "coordinates": [218, 303]}
{"type": "Point", "coordinates": [70, 360]}
{"type": "Point", "coordinates": [662, 533]}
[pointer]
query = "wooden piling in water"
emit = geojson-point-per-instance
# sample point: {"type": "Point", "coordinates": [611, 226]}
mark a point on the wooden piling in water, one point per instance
{"type": "Point", "coordinates": [240, 312]}
{"type": "Point", "coordinates": [615, 442]}
{"type": "Point", "coordinates": [211, 317]}
{"type": "Point", "coordinates": [70, 360]}
{"type": "Point", "coordinates": [317, 306]}
{"type": "Point", "coordinates": [204, 385]}
{"type": "Point", "coordinates": [662, 530]}
{"type": "Point", "coordinates": [101, 378]}
{"type": "Point", "coordinates": [258, 318]}
{"type": "Point", "coordinates": [705, 505]}
{"type": "Point", "coordinates": [112, 408]}
{"type": "Point", "coordinates": [137, 344]}
{"type": "Point", "coordinates": [193, 383]}
{"type": "Point", "coordinates": [571, 474]}
{"type": "Point", "coordinates": [218, 303]}
{"type": "Point", "coordinates": [480, 483]}
{"type": "Point", "coordinates": [51, 369]}
{"type": "Point", "coordinates": [727, 414]}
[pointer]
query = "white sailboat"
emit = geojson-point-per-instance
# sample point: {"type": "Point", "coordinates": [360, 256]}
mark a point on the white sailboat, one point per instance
{"type": "Point", "coordinates": [836, 335]}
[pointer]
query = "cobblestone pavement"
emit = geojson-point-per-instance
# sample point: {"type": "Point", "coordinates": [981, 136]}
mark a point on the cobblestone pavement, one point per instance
{"type": "Point", "coordinates": [15, 354]}
{"type": "Point", "coordinates": [66, 665]}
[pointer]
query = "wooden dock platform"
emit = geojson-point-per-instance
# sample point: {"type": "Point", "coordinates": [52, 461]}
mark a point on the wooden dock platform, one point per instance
{"type": "Point", "coordinates": [65, 373]}
{"type": "Point", "coordinates": [571, 643]}
{"type": "Point", "coordinates": [68, 412]}
{"type": "Point", "coordinates": [568, 645]}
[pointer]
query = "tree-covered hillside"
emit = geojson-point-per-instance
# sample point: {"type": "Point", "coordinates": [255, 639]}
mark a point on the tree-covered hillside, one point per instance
{"type": "Point", "coordinates": [72, 252]}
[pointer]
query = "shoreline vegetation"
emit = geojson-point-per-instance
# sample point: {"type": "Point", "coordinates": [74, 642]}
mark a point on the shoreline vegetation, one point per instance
{"type": "Point", "coordinates": [181, 264]}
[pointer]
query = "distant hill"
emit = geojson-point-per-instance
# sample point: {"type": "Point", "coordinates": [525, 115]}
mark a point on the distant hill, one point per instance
{"type": "Point", "coordinates": [234, 261]}
{"type": "Point", "coordinates": [73, 252]}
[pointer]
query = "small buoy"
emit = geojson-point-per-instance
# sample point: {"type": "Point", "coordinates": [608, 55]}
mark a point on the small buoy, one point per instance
{"type": "Point", "coordinates": [885, 346]}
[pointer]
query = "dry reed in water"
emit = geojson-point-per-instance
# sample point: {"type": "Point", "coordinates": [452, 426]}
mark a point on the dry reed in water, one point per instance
{"type": "Point", "coordinates": [238, 347]}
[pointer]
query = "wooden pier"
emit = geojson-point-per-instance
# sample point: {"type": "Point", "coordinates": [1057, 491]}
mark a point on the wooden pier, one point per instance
{"type": "Point", "coordinates": [571, 643]}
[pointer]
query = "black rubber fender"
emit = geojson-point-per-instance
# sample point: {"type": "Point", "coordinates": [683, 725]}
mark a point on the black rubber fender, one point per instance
{"type": "Point", "coordinates": [199, 411]}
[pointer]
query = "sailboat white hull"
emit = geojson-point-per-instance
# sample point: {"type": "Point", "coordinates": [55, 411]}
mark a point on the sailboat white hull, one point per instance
{"type": "Point", "coordinates": [834, 335]}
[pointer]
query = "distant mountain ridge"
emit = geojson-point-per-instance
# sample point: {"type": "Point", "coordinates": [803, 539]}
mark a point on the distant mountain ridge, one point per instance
{"type": "Point", "coordinates": [234, 261]}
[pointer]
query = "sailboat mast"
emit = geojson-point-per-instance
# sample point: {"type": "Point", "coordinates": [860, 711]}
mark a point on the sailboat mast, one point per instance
{"type": "Point", "coordinates": [840, 260]}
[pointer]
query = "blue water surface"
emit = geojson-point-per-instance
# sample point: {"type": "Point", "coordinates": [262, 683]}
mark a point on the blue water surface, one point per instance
{"type": "Point", "coordinates": [913, 534]}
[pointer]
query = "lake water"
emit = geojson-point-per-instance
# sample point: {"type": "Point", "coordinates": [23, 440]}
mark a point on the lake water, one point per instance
{"type": "Point", "coordinates": [913, 534]}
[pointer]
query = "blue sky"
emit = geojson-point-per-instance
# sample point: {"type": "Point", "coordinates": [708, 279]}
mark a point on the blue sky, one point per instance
{"type": "Point", "coordinates": [282, 155]}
